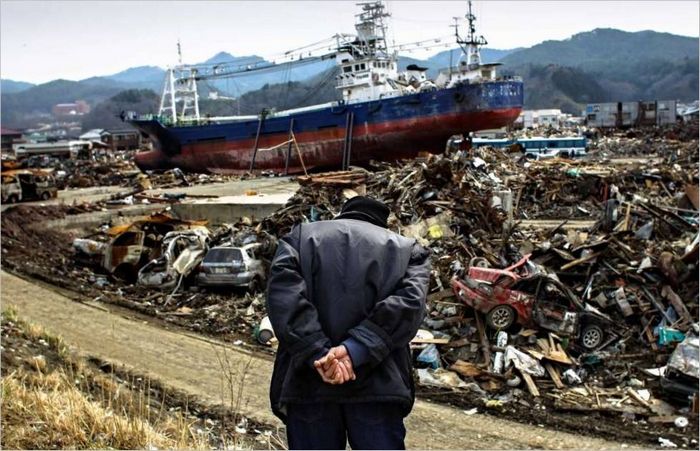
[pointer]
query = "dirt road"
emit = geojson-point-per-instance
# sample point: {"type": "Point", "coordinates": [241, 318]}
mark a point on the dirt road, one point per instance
{"type": "Point", "coordinates": [195, 364]}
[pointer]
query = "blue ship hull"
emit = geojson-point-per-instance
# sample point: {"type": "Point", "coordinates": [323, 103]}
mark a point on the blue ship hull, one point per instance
{"type": "Point", "coordinates": [384, 129]}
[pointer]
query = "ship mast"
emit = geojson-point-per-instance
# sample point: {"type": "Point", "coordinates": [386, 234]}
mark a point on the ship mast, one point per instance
{"type": "Point", "coordinates": [371, 29]}
{"type": "Point", "coordinates": [180, 87]}
{"type": "Point", "coordinates": [470, 46]}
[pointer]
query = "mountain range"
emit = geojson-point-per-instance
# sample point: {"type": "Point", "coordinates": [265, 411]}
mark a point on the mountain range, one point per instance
{"type": "Point", "coordinates": [595, 66]}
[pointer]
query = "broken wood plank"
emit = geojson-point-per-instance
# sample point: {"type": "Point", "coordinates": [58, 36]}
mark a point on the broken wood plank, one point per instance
{"type": "Point", "coordinates": [626, 223]}
{"type": "Point", "coordinates": [634, 395]}
{"type": "Point", "coordinates": [535, 354]}
{"type": "Point", "coordinates": [530, 383]}
{"type": "Point", "coordinates": [466, 369]}
{"type": "Point", "coordinates": [485, 347]}
{"type": "Point", "coordinates": [650, 337]}
{"type": "Point", "coordinates": [437, 341]}
{"type": "Point", "coordinates": [663, 419]}
{"type": "Point", "coordinates": [677, 303]}
{"type": "Point", "coordinates": [527, 332]}
{"type": "Point", "coordinates": [656, 303]}
{"type": "Point", "coordinates": [693, 194]}
{"type": "Point", "coordinates": [554, 375]}
{"type": "Point", "coordinates": [579, 261]}
{"type": "Point", "coordinates": [556, 353]}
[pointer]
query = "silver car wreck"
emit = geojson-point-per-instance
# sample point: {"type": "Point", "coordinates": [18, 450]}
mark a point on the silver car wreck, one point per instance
{"type": "Point", "coordinates": [232, 266]}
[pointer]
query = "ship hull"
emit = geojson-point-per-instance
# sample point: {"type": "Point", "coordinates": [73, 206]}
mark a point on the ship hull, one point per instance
{"type": "Point", "coordinates": [385, 129]}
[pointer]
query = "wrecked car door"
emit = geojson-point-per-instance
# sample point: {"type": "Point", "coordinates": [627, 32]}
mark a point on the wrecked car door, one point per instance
{"type": "Point", "coordinates": [552, 310]}
{"type": "Point", "coordinates": [11, 189]}
{"type": "Point", "coordinates": [123, 255]}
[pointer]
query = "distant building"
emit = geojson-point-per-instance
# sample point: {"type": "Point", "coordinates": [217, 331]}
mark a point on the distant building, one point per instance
{"type": "Point", "coordinates": [121, 139]}
{"type": "Point", "coordinates": [630, 114]}
{"type": "Point", "coordinates": [8, 138]}
{"type": "Point", "coordinates": [549, 118]}
{"type": "Point", "coordinates": [77, 108]}
{"type": "Point", "coordinates": [92, 135]}
{"type": "Point", "coordinates": [541, 118]}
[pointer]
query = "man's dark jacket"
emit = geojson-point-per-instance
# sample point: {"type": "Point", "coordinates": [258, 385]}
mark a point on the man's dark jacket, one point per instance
{"type": "Point", "coordinates": [346, 280]}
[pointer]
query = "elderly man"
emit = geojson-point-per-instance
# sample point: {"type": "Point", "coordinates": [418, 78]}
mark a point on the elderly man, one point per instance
{"type": "Point", "coordinates": [345, 297]}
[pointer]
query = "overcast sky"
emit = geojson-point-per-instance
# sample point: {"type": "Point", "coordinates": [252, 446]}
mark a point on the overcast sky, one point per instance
{"type": "Point", "coordinates": [45, 40]}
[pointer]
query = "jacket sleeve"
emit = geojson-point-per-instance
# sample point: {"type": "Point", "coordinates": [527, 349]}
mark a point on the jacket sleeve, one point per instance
{"type": "Point", "coordinates": [394, 321]}
{"type": "Point", "coordinates": [294, 318]}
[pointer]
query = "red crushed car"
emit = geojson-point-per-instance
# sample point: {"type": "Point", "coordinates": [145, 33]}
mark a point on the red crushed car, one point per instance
{"type": "Point", "coordinates": [537, 301]}
{"type": "Point", "coordinates": [479, 270]}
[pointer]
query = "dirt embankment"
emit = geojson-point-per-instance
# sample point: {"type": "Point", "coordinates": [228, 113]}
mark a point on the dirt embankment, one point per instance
{"type": "Point", "coordinates": [71, 402]}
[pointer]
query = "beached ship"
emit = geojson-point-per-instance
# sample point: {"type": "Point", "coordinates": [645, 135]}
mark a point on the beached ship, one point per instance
{"type": "Point", "coordinates": [385, 114]}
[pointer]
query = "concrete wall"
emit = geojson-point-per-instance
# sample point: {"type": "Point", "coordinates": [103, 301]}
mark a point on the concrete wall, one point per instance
{"type": "Point", "coordinates": [231, 208]}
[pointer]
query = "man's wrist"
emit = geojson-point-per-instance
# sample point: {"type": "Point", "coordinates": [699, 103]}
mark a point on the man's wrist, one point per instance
{"type": "Point", "coordinates": [358, 352]}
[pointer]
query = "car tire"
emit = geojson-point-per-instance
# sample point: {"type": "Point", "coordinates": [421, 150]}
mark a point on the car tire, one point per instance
{"type": "Point", "coordinates": [45, 195]}
{"type": "Point", "coordinates": [500, 317]}
{"type": "Point", "coordinates": [591, 336]}
{"type": "Point", "coordinates": [12, 199]}
{"type": "Point", "coordinates": [479, 262]}
{"type": "Point", "coordinates": [254, 285]}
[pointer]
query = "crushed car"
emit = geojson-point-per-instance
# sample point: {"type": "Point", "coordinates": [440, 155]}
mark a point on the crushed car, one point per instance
{"type": "Point", "coordinates": [182, 251]}
{"type": "Point", "coordinates": [538, 301]}
{"type": "Point", "coordinates": [682, 375]}
{"type": "Point", "coordinates": [232, 266]}
{"type": "Point", "coordinates": [132, 246]}
{"type": "Point", "coordinates": [479, 270]}
{"type": "Point", "coordinates": [27, 184]}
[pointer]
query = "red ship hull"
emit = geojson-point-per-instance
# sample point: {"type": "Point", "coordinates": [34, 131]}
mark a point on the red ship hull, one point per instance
{"type": "Point", "coordinates": [387, 141]}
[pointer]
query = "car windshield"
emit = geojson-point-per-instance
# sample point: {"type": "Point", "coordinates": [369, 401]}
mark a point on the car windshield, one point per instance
{"type": "Point", "coordinates": [223, 255]}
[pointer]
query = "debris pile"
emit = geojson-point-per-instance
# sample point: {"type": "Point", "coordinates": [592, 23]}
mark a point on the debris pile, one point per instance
{"type": "Point", "coordinates": [107, 263]}
{"type": "Point", "coordinates": [113, 168]}
{"type": "Point", "coordinates": [633, 260]}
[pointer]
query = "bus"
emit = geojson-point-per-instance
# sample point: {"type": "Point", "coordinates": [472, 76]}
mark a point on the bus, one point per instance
{"type": "Point", "coordinates": [540, 147]}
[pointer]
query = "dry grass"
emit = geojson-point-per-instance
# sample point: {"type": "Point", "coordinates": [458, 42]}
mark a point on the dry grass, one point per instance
{"type": "Point", "coordinates": [42, 411]}
{"type": "Point", "coordinates": [233, 389]}
{"type": "Point", "coordinates": [72, 407]}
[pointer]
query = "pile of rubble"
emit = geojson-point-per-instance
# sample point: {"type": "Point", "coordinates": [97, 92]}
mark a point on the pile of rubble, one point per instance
{"type": "Point", "coordinates": [112, 168]}
{"type": "Point", "coordinates": [633, 262]}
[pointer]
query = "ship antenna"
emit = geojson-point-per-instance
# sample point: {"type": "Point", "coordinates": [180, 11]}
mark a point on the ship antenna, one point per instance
{"type": "Point", "coordinates": [179, 52]}
{"type": "Point", "coordinates": [470, 46]}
